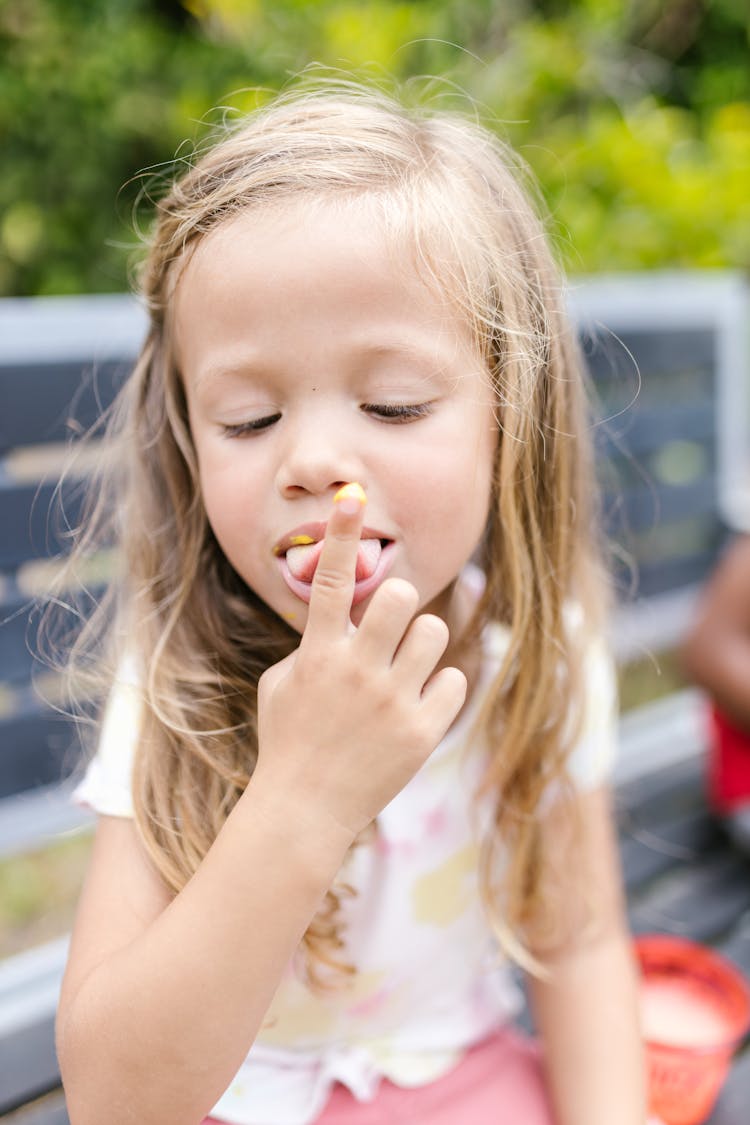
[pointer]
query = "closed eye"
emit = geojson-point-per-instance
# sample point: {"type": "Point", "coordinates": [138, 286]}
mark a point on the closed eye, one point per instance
{"type": "Point", "coordinates": [252, 427]}
{"type": "Point", "coordinates": [398, 412]}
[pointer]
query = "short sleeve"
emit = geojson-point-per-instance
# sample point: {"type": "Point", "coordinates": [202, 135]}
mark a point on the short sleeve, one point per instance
{"type": "Point", "coordinates": [107, 784]}
{"type": "Point", "coordinates": [592, 758]}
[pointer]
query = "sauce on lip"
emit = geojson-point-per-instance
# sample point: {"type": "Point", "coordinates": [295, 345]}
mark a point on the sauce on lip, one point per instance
{"type": "Point", "coordinates": [295, 541]}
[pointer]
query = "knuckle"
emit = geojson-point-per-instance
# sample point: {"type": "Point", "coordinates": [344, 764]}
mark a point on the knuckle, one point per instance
{"type": "Point", "coordinates": [268, 680]}
{"type": "Point", "coordinates": [422, 739]}
{"type": "Point", "coordinates": [329, 579]}
{"type": "Point", "coordinates": [356, 678]}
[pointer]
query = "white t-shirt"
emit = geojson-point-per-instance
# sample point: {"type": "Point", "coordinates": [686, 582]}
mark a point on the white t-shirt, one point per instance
{"type": "Point", "coordinates": [430, 980]}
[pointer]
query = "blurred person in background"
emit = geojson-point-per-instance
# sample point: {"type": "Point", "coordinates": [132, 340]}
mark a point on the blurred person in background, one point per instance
{"type": "Point", "coordinates": [716, 656]}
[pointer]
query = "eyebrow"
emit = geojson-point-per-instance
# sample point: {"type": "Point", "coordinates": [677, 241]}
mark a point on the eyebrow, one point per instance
{"type": "Point", "coordinates": [247, 368]}
{"type": "Point", "coordinates": [423, 349]}
{"type": "Point", "coordinates": [217, 372]}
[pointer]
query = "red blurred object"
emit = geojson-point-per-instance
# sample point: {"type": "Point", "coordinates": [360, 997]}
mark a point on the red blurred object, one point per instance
{"type": "Point", "coordinates": [689, 1056]}
{"type": "Point", "coordinates": [728, 763]}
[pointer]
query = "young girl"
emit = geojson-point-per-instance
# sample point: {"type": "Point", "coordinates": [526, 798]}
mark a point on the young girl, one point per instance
{"type": "Point", "coordinates": [356, 749]}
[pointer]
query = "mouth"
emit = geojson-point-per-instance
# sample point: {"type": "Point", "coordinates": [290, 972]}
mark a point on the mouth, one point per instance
{"type": "Point", "coordinates": [298, 555]}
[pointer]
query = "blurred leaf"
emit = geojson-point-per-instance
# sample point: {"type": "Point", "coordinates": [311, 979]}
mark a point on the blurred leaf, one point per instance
{"type": "Point", "coordinates": [640, 142]}
{"type": "Point", "coordinates": [373, 34]}
{"type": "Point", "coordinates": [22, 232]}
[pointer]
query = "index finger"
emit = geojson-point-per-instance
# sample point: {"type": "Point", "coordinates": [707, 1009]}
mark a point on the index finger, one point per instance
{"type": "Point", "coordinates": [335, 575]}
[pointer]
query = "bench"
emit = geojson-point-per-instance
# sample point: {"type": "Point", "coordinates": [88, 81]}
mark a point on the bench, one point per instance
{"type": "Point", "coordinates": [60, 363]}
{"type": "Point", "coordinates": [673, 463]}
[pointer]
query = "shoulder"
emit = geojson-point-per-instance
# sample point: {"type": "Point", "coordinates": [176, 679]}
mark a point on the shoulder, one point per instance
{"type": "Point", "coordinates": [593, 753]}
{"type": "Point", "coordinates": [107, 784]}
{"type": "Point", "coordinates": [593, 710]}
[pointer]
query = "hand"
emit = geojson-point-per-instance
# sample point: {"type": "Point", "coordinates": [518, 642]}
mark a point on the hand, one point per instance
{"type": "Point", "coordinates": [347, 719]}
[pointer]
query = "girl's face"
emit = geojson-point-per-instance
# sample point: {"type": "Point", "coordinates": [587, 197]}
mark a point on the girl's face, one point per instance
{"type": "Point", "coordinates": [313, 355]}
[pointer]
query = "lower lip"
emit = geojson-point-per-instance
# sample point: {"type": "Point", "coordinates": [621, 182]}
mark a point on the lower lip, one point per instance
{"type": "Point", "coordinates": [362, 589]}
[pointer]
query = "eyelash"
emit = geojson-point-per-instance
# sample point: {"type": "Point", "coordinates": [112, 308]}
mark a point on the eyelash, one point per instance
{"type": "Point", "coordinates": [396, 412]}
{"type": "Point", "coordinates": [253, 427]}
{"type": "Point", "coordinates": [393, 412]}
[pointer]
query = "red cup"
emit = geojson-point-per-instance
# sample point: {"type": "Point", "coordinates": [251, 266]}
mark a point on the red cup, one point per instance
{"type": "Point", "coordinates": [695, 1007]}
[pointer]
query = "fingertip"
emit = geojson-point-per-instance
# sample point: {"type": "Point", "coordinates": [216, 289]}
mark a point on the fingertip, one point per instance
{"type": "Point", "coordinates": [445, 693]}
{"type": "Point", "coordinates": [350, 498]}
{"type": "Point", "coordinates": [455, 680]}
{"type": "Point", "coordinates": [400, 588]}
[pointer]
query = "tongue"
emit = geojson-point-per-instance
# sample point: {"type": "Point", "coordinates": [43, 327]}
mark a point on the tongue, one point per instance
{"type": "Point", "coordinates": [302, 561]}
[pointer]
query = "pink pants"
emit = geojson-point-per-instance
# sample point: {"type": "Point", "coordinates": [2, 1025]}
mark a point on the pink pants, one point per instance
{"type": "Point", "coordinates": [499, 1082]}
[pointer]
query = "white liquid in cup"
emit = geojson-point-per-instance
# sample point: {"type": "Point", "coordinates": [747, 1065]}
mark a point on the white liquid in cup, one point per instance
{"type": "Point", "coordinates": [681, 1014]}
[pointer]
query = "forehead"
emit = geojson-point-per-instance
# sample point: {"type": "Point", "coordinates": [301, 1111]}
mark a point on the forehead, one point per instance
{"type": "Point", "coordinates": [349, 267]}
{"type": "Point", "coordinates": [370, 221]}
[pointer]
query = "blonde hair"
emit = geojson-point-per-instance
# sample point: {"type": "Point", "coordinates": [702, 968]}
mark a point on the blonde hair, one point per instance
{"type": "Point", "coordinates": [452, 190]}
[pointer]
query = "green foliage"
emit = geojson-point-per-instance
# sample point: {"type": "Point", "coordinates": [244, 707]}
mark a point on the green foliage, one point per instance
{"type": "Point", "coordinates": [635, 118]}
{"type": "Point", "coordinates": [89, 95]}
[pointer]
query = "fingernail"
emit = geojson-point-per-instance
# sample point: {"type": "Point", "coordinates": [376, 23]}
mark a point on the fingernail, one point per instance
{"type": "Point", "coordinates": [350, 498]}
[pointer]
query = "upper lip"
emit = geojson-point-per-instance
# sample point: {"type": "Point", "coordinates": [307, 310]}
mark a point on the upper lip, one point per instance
{"type": "Point", "coordinates": [316, 532]}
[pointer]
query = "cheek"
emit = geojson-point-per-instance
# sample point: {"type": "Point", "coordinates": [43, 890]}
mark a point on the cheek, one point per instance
{"type": "Point", "coordinates": [223, 525]}
{"type": "Point", "coordinates": [482, 470]}
{"type": "Point", "coordinates": [448, 514]}
{"type": "Point", "coordinates": [469, 490]}
{"type": "Point", "coordinates": [215, 497]}
{"type": "Point", "coordinates": [466, 472]}
{"type": "Point", "coordinates": [226, 501]}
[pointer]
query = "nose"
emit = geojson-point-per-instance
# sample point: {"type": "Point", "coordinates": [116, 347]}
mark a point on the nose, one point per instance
{"type": "Point", "coordinates": [319, 455]}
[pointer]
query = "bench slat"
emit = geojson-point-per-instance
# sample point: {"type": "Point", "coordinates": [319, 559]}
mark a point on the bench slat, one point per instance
{"type": "Point", "coordinates": [36, 519]}
{"type": "Point", "coordinates": [50, 402]}
{"type": "Point", "coordinates": [646, 429]}
{"type": "Point", "coordinates": [645, 510]}
{"type": "Point", "coordinates": [19, 622]}
{"type": "Point", "coordinates": [700, 900]}
{"type": "Point", "coordinates": [29, 991]}
{"type": "Point", "coordinates": [649, 852]}
{"type": "Point", "coordinates": [31, 627]}
{"type": "Point", "coordinates": [662, 351]}
{"type": "Point", "coordinates": [28, 1064]}
{"type": "Point", "coordinates": [676, 573]}
{"type": "Point", "coordinates": [37, 748]}
{"type": "Point", "coordinates": [48, 1110]}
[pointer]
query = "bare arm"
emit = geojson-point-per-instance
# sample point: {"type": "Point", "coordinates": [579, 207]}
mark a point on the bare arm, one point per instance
{"type": "Point", "coordinates": [587, 1013]}
{"type": "Point", "coordinates": [162, 999]}
{"type": "Point", "coordinates": [716, 653]}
